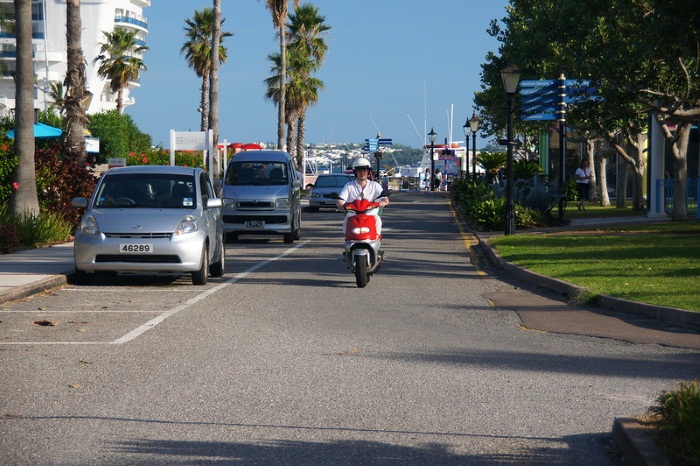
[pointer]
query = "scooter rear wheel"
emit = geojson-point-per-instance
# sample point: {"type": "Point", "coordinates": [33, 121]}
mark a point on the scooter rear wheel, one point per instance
{"type": "Point", "coordinates": [361, 275]}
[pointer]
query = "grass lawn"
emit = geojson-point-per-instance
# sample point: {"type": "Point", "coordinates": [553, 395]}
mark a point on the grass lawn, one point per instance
{"type": "Point", "coordinates": [657, 264]}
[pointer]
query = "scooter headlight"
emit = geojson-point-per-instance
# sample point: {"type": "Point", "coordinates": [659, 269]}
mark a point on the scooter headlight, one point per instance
{"type": "Point", "coordinates": [360, 230]}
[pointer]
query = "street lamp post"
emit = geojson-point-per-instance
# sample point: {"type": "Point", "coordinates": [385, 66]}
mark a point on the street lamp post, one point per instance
{"type": "Point", "coordinates": [510, 77]}
{"type": "Point", "coordinates": [432, 135]}
{"type": "Point", "coordinates": [474, 125]}
{"type": "Point", "coordinates": [467, 129]}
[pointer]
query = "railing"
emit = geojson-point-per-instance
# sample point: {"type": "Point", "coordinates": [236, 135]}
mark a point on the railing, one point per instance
{"type": "Point", "coordinates": [129, 20]}
{"type": "Point", "coordinates": [692, 194]}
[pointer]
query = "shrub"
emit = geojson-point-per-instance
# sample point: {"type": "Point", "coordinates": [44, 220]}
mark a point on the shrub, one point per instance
{"type": "Point", "coordinates": [26, 231]}
{"type": "Point", "coordinates": [676, 423]}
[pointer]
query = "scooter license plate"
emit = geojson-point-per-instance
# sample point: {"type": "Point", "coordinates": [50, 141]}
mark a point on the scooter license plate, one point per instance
{"type": "Point", "coordinates": [255, 224]}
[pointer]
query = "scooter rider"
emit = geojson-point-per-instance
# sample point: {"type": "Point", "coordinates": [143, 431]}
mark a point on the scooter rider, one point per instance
{"type": "Point", "coordinates": [363, 188]}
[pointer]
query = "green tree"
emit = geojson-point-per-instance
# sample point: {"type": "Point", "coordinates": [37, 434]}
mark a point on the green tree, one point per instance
{"type": "Point", "coordinates": [279, 10]}
{"type": "Point", "coordinates": [198, 53]}
{"type": "Point", "coordinates": [119, 61]}
{"type": "Point", "coordinates": [75, 88]}
{"type": "Point", "coordinates": [119, 136]}
{"type": "Point", "coordinates": [24, 200]}
{"type": "Point", "coordinates": [306, 30]}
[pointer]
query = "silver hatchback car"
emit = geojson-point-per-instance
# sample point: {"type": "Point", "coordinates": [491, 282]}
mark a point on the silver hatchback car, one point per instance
{"type": "Point", "coordinates": [151, 220]}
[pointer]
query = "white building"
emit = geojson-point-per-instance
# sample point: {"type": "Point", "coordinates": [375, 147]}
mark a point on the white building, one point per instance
{"type": "Point", "coordinates": [50, 56]}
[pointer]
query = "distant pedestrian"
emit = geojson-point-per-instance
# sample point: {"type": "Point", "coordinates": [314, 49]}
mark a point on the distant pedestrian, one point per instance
{"type": "Point", "coordinates": [583, 183]}
{"type": "Point", "coordinates": [426, 185]}
{"type": "Point", "coordinates": [437, 180]}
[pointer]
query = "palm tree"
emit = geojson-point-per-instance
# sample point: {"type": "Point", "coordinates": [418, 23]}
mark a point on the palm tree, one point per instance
{"type": "Point", "coordinates": [198, 53]}
{"type": "Point", "coordinates": [58, 96]}
{"type": "Point", "coordinates": [119, 61]}
{"type": "Point", "coordinates": [300, 90]}
{"type": "Point", "coordinates": [24, 199]}
{"type": "Point", "coordinates": [306, 29]}
{"type": "Point", "coordinates": [75, 89]}
{"type": "Point", "coordinates": [279, 10]}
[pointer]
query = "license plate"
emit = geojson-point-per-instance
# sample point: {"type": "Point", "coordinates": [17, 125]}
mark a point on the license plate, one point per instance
{"type": "Point", "coordinates": [254, 223]}
{"type": "Point", "coordinates": [135, 248]}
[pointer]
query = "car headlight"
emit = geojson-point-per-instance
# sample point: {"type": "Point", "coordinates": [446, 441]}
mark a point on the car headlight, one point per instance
{"type": "Point", "coordinates": [282, 203]}
{"type": "Point", "coordinates": [89, 225]}
{"type": "Point", "coordinates": [228, 203]}
{"type": "Point", "coordinates": [187, 225]}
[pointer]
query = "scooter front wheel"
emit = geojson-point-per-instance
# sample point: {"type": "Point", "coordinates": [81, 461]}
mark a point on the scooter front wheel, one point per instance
{"type": "Point", "coordinates": [361, 275]}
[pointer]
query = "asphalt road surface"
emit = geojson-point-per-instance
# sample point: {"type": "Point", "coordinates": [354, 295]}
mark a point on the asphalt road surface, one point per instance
{"type": "Point", "coordinates": [284, 361]}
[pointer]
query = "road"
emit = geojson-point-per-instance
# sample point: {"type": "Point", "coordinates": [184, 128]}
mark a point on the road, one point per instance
{"type": "Point", "coordinates": [284, 361]}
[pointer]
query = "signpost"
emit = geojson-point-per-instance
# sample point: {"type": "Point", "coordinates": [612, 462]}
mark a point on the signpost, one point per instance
{"type": "Point", "coordinates": [546, 100]}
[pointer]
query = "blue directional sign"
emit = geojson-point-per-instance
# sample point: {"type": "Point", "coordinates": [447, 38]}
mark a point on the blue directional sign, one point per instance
{"type": "Point", "coordinates": [540, 117]}
{"type": "Point", "coordinates": [371, 145]}
{"type": "Point", "coordinates": [385, 142]}
{"type": "Point", "coordinates": [538, 83]}
{"type": "Point", "coordinates": [538, 91]}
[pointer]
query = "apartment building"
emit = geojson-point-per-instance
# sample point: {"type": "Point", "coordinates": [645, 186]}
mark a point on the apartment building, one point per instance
{"type": "Point", "coordinates": [50, 57]}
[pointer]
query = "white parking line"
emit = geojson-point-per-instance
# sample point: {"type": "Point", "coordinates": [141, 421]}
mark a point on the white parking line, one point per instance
{"type": "Point", "coordinates": [160, 318]}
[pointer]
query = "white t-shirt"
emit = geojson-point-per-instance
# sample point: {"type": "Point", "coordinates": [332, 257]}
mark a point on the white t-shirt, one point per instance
{"type": "Point", "coordinates": [353, 191]}
{"type": "Point", "coordinates": [582, 175]}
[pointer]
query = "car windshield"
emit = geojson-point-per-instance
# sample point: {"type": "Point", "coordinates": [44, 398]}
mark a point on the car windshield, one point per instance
{"type": "Point", "coordinates": [257, 173]}
{"type": "Point", "coordinates": [331, 181]}
{"type": "Point", "coordinates": [160, 191]}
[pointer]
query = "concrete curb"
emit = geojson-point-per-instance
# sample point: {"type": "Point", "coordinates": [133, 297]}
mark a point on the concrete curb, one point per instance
{"type": "Point", "coordinates": [570, 291]}
{"type": "Point", "coordinates": [637, 447]}
{"type": "Point", "coordinates": [38, 286]}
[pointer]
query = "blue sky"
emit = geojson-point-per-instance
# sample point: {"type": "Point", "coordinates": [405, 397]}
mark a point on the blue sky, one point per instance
{"type": "Point", "coordinates": [393, 63]}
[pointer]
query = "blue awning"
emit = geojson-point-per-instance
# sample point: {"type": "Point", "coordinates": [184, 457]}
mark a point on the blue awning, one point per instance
{"type": "Point", "coordinates": [41, 131]}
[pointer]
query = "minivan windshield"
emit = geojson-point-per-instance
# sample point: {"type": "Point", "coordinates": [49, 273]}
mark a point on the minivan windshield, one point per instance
{"type": "Point", "coordinates": [153, 190]}
{"type": "Point", "coordinates": [257, 173]}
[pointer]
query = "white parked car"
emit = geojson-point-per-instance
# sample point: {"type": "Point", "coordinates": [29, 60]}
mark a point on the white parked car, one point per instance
{"type": "Point", "coordinates": [151, 220]}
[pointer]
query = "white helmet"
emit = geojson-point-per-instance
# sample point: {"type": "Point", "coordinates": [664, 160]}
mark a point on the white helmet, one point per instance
{"type": "Point", "coordinates": [361, 163]}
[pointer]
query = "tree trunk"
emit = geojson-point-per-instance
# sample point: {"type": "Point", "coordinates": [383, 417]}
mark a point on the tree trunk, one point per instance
{"type": "Point", "coordinates": [301, 136]}
{"type": "Point", "coordinates": [291, 136]}
{"type": "Point", "coordinates": [283, 81]}
{"type": "Point", "coordinates": [603, 181]}
{"type": "Point", "coordinates": [679, 149]}
{"type": "Point", "coordinates": [24, 199]}
{"type": "Point", "coordinates": [591, 145]}
{"type": "Point", "coordinates": [204, 105]}
{"type": "Point", "coordinates": [214, 86]}
{"type": "Point", "coordinates": [622, 176]}
{"type": "Point", "coordinates": [75, 91]}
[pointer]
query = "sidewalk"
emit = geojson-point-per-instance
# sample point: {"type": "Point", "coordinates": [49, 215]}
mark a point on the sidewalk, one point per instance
{"type": "Point", "coordinates": [31, 271]}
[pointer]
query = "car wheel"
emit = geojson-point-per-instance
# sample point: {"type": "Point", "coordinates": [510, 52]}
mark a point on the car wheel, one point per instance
{"type": "Point", "coordinates": [201, 276]}
{"type": "Point", "coordinates": [296, 234]}
{"type": "Point", "coordinates": [231, 237]}
{"type": "Point", "coordinates": [217, 268]}
{"type": "Point", "coordinates": [313, 209]}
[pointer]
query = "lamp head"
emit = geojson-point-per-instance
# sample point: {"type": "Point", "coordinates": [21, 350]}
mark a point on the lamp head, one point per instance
{"type": "Point", "coordinates": [467, 129]}
{"type": "Point", "coordinates": [432, 135]}
{"type": "Point", "coordinates": [474, 123]}
{"type": "Point", "coordinates": [510, 77]}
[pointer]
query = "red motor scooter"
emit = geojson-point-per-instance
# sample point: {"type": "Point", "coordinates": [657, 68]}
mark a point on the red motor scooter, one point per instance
{"type": "Point", "coordinates": [362, 241]}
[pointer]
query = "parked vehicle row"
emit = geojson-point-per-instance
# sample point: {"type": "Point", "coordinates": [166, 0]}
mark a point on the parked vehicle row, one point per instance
{"type": "Point", "coordinates": [168, 220]}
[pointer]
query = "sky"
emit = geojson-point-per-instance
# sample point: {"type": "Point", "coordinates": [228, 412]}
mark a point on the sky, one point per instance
{"type": "Point", "coordinates": [400, 67]}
